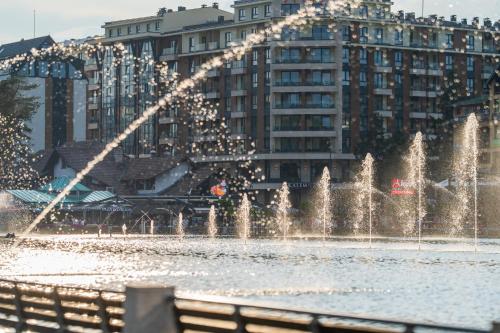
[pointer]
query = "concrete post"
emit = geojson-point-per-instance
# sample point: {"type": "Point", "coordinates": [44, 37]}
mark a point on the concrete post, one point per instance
{"type": "Point", "coordinates": [149, 308]}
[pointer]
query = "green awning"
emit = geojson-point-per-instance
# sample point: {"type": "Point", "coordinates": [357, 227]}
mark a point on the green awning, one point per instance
{"type": "Point", "coordinates": [58, 184]}
{"type": "Point", "coordinates": [98, 196]}
{"type": "Point", "coordinates": [31, 196]}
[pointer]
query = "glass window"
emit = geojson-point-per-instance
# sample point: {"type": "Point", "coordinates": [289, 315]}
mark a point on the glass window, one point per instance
{"type": "Point", "coordinates": [255, 12]}
{"type": "Point", "coordinates": [267, 10]}
{"type": "Point", "coordinates": [363, 35]}
{"type": "Point", "coordinates": [289, 9]}
{"type": "Point", "coordinates": [242, 14]}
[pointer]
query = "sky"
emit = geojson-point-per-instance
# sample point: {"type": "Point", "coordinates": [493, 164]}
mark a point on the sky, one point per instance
{"type": "Point", "coordinates": [66, 19]}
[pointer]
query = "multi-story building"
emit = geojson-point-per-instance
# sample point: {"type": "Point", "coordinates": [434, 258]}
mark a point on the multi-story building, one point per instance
{"type": "Point", "coordinates": [59, 86]}
{"type": "Point", "coordinates": [305, 98]}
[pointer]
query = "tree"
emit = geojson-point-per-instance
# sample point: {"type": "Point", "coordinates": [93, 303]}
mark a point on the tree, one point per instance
{"type": "Point", "coordinates": [16, 156]}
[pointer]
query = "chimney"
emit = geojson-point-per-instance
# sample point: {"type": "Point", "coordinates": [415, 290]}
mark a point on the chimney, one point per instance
{"type": "Point", "coordinates": [433, 18]}
{"type": "Point", "coordinates": [170, 10]}
{"type": "Point", "coordinates": [487, 22]}
{"type": "Point", "coordinates": [475, 21]}
{"type": "Point", "coordinates": [464, 21]}
{"type": "Point", "coordinates": [220, 19]}
{"type": "Point", "coordinates": [215, 5]}
{"type": "Point", "coordinates": [181, 8]}
{"type": "Point", "coordinates": [204, 6]}
{"type": "Point", "coordinates": [453, 18]}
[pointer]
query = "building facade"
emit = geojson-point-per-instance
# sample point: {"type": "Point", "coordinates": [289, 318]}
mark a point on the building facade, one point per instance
{"type": "Point", "coordinates": [302, 100]}
{"type": "Point", "coordinates": [60, 89]}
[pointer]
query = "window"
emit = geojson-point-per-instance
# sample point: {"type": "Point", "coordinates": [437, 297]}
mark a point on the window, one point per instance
{"type": "Point", "coordinates": [379, 36]}
{"type": "Point", "coordinates": [129, 30]}
{"type": "Point", "coordinates": [378, 58]}
{"type": "Point", "coordinates": [470, 85]}
{"type": "Point", "coordinates": [320, 55]}
{"type": "Point", "coordinates": [119, 31]}
{"type": "Point", "coordinates": [398, 58]}
{"type": "Point", "coordinates": [379, 81]}
{"type": "Point", "coordinates": [363, 11]}
{"type": "Point", "coordinates": [448, 62]}
{"type": "Point", "coordinates": [363, 56]}
{"type": "Point", "coordinates": [322, 78]}
{"type": "Point", "coordinates": [362, 78]}
{"type": "Point", "coordinates": [449, 41]}
{"type": "Point", "coordinates": [255, 57]}
{"type": "Point", "coordinates": [255, 80]}
{"type": "Point", "coordinates": [148, 27]}
{"type": "Point", "coordinates": [110, 33]}
{"type": "Point", "coordinates": [267, 10]}
{"type": "Point", "coordinates": [191, 44]}
{"type": "Point", "coordinates": [470, 63]}
{"type": "Point", "coordinates": [470, 42]}
{"type": "Point", "coordinates": [398, 79]}
{"type": "Point", "coordinates": [242, 14]}
{"type": "Point", "coordinates": [346, 33]}
{"type": "Point", "coordinates": [345, 55]}
{"type": "Point", "coordinates": [255, 12]}
{"type": "Point", "coordinates": [227, 38]}
{"type": "Point", "coordinates": [138, 28]}
{"type": "Point", "coordinates": [243, 35]}
{"type": "Point", "coordinates": [255, 100]}
{"type": "Point", "coordinates": [398, 37]}
{"type": "Point", "coordinates": [346, 76]}
{"type": "Point", "coordinates": [157, 25]}
{"type": "Point", "coordinates": [289, 9]}
{"type": "Point", "coordinates": [363, 35]}
{"type": "Point", "coordinates": [379, 13]}
{"type": "Point", "coordinates": [268, 56]}
{"type": "Point", "coordinates": [290, 78]}
{"type": "Point", "coordinates": [268, 77]}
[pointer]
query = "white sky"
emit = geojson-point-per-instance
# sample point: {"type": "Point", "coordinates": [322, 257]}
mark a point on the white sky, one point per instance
{"type": "Point", "coordinates": [65, 19]}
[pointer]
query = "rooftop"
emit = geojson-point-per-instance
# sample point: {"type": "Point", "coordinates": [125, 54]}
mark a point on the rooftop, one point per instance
{"type": "Point", "coordinates": [25, 46]}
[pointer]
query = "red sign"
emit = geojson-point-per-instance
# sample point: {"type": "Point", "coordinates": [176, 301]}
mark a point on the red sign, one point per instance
{"type": "Point", "coordinates": [401, 187]}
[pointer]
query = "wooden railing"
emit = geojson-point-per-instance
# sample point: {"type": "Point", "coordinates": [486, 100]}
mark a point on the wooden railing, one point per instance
{"type": "Point", "coordinates": [209, 315]}
{"type": "Point", "coordinates": [48, 308]}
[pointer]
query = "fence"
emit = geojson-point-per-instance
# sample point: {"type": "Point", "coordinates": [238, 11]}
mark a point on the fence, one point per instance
{"type": "Point", "coordinates": [151, 308]}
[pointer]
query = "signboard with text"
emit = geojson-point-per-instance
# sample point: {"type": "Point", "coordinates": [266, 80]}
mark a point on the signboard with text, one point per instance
{"type": "Point", "coordinates": [401, 187]}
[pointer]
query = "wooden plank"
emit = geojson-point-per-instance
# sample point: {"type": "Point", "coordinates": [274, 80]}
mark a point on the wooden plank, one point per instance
{"type": "Point", "coordinates": [83, 322]}
{"type": "Point", "coordinates": [202, 328]}
{"type": "Point", "coordinates": [40, 328]}
{"type": "Point", "coordinates": [8, 309]}
{"type": "Point", "coordinates": [40, 315]}
{"type": "Point", "coordinates": [205, 314]}
{"type": "Point", "coordinates": [79, 310]}
{"type": "Point", "coordinates": [342, 328]}
{"type": "Point", "coordinates": [46, 293]}
{"type": "Point", "coordinates": [8, 322]}
{"type": "Point", "coordinates": [284, 323]}
{"type": "Point", "coordinates": [37, 304]}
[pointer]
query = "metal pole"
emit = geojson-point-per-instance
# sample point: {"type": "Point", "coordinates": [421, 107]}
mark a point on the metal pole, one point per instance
{"type": "Point", "coordinates": [34, 23]}
{"type": "Point", "coordinates": [423, 3]}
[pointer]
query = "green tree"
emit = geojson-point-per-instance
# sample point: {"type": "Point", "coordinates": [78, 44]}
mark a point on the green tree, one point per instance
{"type": "Point", "coordinates": [16, 156]}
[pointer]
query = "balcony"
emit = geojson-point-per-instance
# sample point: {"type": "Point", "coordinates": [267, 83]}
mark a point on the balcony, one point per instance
{"type": "Point", "coordinates": [213, 73]}
{"type": "Point", "coordinates": [305, 134]}
{"type": "Point", "coordinates": [92, 125]}
{"type": "Point", "coordinates": [382, 91]}
{"type": "Point", "coordinates": [166, 140]}
{"type": "Point", "coordinates": [169, 54]}
{"type": "Point", "coordinates": [238, 136]}
{"type": "Point", "coordinates": [90, 67]}
{"type": "Point", "coordinates": [238, 67]}
{"type": "Point", "coordinates": [418, 115]}
{"type": "Point", "coordinates": [237, 114]}
{"type": "Point", "coordinates": [166, 119]}
{"type": "Point", "coordinates": [92, 104]}
{"type": "Point", "coordinates": [239, 92]}
{"type": "Point", "coordinates": [308, 63]}
{"type": "Point", "coordinates": [418, 92]}
{"type": "Point", "coordinates": [384, 113]}
{"type": "Point", "coordinates": [418, 70]}
{"type": "Point", "coordinates": [287, 86]}
{"type": "Point", "coordinates": [204, 138]}
{"type": "Point", "coordinates": [212, 95]}
{"type": "Point", "coordinates": [383, 68]}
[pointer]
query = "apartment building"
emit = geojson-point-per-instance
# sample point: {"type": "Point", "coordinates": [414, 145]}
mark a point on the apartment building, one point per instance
{"type": "Point", "coordinates": [60, 89]}
{"type": "Point", "coordinates": [305, 99]}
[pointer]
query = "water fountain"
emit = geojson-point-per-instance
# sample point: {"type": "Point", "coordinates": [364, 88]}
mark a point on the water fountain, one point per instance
{"type": "Point", "coordinates": [324, 202]}
{"type": "Point", "coordinates": [284, 205]}
{"type": "Point", "coordinates": [180, 227]}
{"type": "Point", "coordinates": [416, 163]}
{"type": "Point", "coordinates": [465, 176]}
{"type": "Point", "coordinates": [363, 202]}
{"type": "Point", "coordinates": [243, 218]}
{"type": "Point", "coordinates": [212, 223]}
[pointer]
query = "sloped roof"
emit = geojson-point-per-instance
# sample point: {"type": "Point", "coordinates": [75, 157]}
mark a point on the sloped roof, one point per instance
{"type": "Point", "coordinates": [25, 46]}
{"type": "Point", "coordinates": [31, 196]}
{"type": "Point", "coordinates": [191, 181]}
{"type": "Point", "coordinates": [148, 168]}
{"type": "Point", "coordinates": [77, 155]}
{"type": "Point", "coordinates": [98, 196]}
{"type": "Point", "coordinates": [58, 184]}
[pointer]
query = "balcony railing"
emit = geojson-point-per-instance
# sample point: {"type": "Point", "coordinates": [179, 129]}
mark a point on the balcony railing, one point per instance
{"type": "Point", "coordinates": [305, 106]}
{"type": "Point", "coordinates": [299, 84]}
{"type": "Point", "coordinates": [169, 51]}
